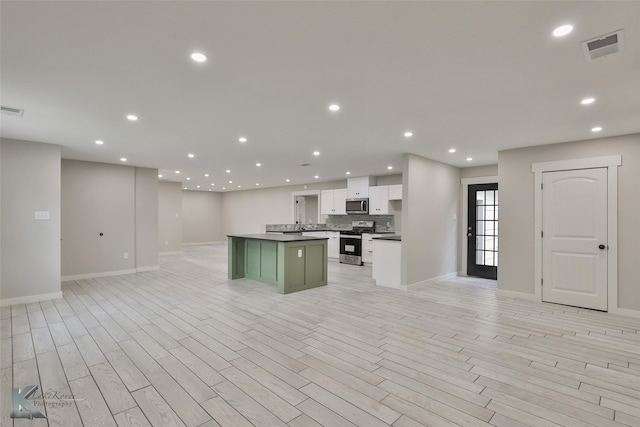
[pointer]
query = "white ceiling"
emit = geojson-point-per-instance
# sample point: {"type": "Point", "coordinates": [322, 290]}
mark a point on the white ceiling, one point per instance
{"type": "Point", "coordinates": [476, 76]}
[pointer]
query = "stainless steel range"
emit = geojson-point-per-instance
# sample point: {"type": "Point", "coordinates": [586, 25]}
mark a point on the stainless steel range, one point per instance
{"type": "Point", "coordinates": [351, 242]}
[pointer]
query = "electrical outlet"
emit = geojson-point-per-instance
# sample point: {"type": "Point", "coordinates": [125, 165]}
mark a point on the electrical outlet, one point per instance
{"type": "Point", "coordinates": [41, 215]}
{"type": "Point", "coordinates": [126, 255]}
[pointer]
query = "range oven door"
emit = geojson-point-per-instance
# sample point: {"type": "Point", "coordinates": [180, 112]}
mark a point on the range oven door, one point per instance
{"type": "Point", "coordinates": [351, 250]}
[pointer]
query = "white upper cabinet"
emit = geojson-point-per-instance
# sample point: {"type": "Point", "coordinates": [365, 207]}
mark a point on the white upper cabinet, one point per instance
{"type": "Point", "coordinates": [379, 200]}
{"type": "Point", "coordinates": [333, 202]}
{"type": "Point", "coordinates": [358, 188]}
{"type": "Point", "coordinates": [395, 192]}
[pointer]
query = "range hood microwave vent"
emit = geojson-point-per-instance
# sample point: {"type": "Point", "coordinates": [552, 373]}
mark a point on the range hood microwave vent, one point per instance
{"type": "Point", "coordinates": [9, 111]}
{"type": "Point", "coordinates": [604, 45]}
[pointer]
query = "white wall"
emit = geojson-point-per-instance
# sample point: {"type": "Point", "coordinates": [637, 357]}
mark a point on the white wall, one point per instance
{"type": "Point", "coordinates": [169, 216]}
{"type": "Point", "coordinates": [146, 218]}
{"type": "Point", "coordinates": [108, 199]}
{"type": "Point", "coordinates": [516, 240]}
{"type": "Point", "coordinates": [247, 212]}
{"type": "Point", "coordinates": [201, 217]}
{"type": "Point", "coordinates": [30, 249]}
{"type": "Point", "coordinates": [429, 228]}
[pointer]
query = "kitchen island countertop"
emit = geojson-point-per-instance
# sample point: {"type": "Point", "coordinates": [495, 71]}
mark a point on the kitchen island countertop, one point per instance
{"type": "Point", "coordinates": [274, 237]}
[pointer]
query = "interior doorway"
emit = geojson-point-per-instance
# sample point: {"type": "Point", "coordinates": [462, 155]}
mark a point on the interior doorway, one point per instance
{"type": "Point", "coordinates": [482, 231]}
{"type": "Point", "coordinates": [306, 207]}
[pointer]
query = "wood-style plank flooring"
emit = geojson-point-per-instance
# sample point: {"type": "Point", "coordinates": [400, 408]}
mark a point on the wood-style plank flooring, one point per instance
{"type": "Point", "coordinates": [185, 346]}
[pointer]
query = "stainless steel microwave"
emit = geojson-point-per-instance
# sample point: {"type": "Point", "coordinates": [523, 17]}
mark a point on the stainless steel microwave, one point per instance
{"type": "Point", "coordinates": [357, 206]}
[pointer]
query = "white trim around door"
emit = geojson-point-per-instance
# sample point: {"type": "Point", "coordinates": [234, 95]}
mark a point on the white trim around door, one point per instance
{"type": "Point", "coordinates": [466, 182]}
{"type": "Point", "coordinates": [609, 162]}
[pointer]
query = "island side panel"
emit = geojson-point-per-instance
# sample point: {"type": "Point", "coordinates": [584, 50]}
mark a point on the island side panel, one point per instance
{"type": "Point", "coordinates": [236, 250]}
{"type": "Point", "coordinates": [261, 261]}
{"type": "Point", "coordinates": [305, 266]}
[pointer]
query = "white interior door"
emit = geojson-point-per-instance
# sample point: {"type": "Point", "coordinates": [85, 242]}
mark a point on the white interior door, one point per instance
{"type": "Point", "coordinates": [574, 243]}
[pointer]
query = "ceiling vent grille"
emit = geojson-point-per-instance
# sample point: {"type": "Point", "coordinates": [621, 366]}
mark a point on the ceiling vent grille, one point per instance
{"type": "Point", "coordinates": [604, 45]}
{"type": "Point", "coordinates": [9, 111]}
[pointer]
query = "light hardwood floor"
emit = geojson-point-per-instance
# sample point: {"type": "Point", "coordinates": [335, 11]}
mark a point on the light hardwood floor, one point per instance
{"type": "Point", "coordinates": [185, 346]}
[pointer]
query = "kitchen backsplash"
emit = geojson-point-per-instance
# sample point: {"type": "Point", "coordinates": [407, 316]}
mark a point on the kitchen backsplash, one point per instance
{"type": "Point", "coordinates": [383, 222]}
{"type": "Point", "coordinates": [338, 222]}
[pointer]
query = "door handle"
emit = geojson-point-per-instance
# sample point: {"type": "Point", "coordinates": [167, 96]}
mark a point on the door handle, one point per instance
{"type": "Point", "coordinates": [469, 234]}
{"type": "Point", "coordinates": [601, 247]}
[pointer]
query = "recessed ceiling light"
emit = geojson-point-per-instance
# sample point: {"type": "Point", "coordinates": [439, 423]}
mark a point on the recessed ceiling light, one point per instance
{"type": "Point", "coordinates": [212, 183]}
{"type": "Point", "coordinates": [258, 164]}
{"type": "Point", "coordinates": [191, 155]}
{"type": "Point", "coordinates": [257, 183]}
{"type": "Point", "coordinates": [242, 139]}
{"type": "Point", "coordinates": [206, 175]}
{"type": "Point", "coordinates": [184, 188]}
{"type": "Point", "coordinates": [562, 30]}
{"type": "Point", "coordinates": [198, 57]}
{"type": "Point", "coordinates": [197, 186]}
{"type": "Point", "coordinates": [228, 171]}
{"type": "Point", "coordinates": [408, 134]}
{"type": "Point", "coordinates": [348, 173]}
{"type": "Point", "coordinates": [587, 101]}
{"type": "Point", "coordinates": [188, 179]}
{"type": "Point", "coordinates": [334, 107]}
{"type": "Point", "coordinates": [99, 142]}
{"type": "Point", "coordinates": [469, 159]}
{"type": "Point", "coordinates": [389, 167]}
{"type": "Point", "coordinates": [210, 190]}
{"type": "Point", "coordinates": [452, 150]}
{"type": "Point", "coordinates": [177, 171]}
{"type": "Point", "coordinates": [159, 175]}
{"type": "Point", "coordinates": [123, 159]}
{"type": "Point", "coordinates": [224, 188]}
{"type": "Point", "coordinates": [596, 129]}
{"type": "Point", "coordinates": [132, 117]}
{"type": "Point", "coordinates": [287, 180]}
{"type": "Point", "coordinates": [316, 153]}
{"type": "Point", "coordinates": [316, 177]}
{"type": "Point", "coordinates": [239, 186]}
{"type": "Point", "coordinates": [230, 182]}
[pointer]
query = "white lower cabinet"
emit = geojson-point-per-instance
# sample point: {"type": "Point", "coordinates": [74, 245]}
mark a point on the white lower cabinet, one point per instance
{"type": "Point", "coordinates": [367, 246]}
{"type": "Point", "coordinates": [386, 269]}
{"type": "Point", "coordinates": [334, 244]}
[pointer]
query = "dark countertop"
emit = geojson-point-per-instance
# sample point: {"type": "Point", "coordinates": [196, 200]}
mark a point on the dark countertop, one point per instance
{"type": "Point", "coordinates": [394, 238]}
{"type": "Point", "coordinates": [278, 237]}
{"type": "Point", "coordinates": [325, 229]}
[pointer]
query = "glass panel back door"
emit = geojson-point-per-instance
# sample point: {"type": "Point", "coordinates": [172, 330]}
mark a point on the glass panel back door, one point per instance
{"type": "Point", "coordinates": [482, 231]}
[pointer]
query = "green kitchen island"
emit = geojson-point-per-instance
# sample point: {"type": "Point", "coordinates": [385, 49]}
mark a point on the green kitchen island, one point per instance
{"type": "Point", "coordinates": [293, 262]}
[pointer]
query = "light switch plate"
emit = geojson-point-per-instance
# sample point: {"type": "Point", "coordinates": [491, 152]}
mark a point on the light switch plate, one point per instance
{"type": "Point", "coordinates": [41, 215]}
{"type": "Point", "coordinates": [299, 253]}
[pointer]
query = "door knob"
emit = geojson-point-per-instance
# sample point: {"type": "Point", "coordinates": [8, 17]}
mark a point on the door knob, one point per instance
{"type": "Point", "coordinates": [601, 247]}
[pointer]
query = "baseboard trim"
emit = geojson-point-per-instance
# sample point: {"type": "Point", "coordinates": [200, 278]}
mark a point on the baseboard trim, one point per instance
{"type": "Point", "coordinates": [423, 283]}
{"type": "Point", "coordinates": [514, 294]}
{"type": "Point", "coordinates": [625, 312]}
{"type": "Point", "coordinates": [171, 253]}
{"type": "Point", "coordinates": [99, 274]}
{"type": "Point", "coordinates": [203, 243]}
{"type": "Point", "coordinates": [30, 299]}
{"type": "Point", "coordinates": [151, 268]}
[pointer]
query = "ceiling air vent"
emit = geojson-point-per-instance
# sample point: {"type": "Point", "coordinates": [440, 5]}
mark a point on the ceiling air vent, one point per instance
{"type": "Point", "coordinates": [9, 111]}
{"type": "Point", "coordinates": [603, 45]}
